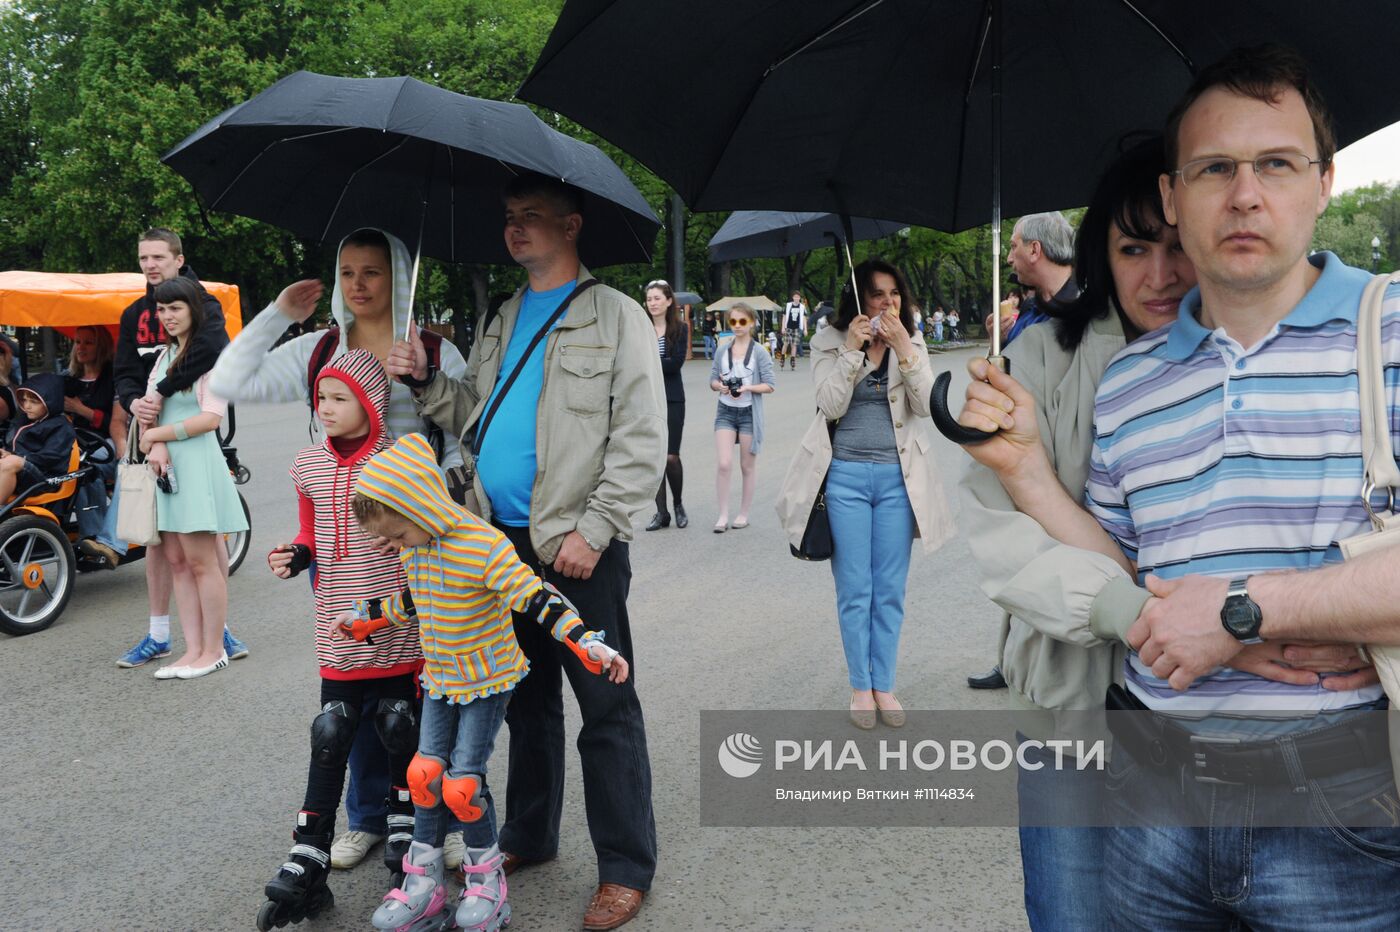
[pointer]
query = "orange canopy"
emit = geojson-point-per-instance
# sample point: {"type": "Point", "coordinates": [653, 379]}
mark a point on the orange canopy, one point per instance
{"type": "Point", "coordinates": [58, 299]}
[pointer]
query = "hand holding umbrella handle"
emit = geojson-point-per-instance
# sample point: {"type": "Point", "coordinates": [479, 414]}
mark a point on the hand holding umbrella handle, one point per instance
{"type": "Point", "coordinates": [944, 420]}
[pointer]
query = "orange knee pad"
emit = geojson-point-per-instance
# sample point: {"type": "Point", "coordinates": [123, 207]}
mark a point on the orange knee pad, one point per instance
{"type": "Point", "coordinates": [463, 796]}
{"type": "Point", "coordinates": [425, 784]}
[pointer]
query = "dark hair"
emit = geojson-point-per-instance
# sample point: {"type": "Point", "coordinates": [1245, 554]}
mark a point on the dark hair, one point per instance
{"type": "Point", "coordinates": [182, 289]}
{"type": "Point", "coordinates": [1262, 72]}
{"type": "Point", "coordinates": [566, 198]}
{"type": "Point", "coordinates": [368, 237]}
{"type": "Point", "coordinates": [675, 328]}
{"type": "Point", "coordinates": [162, 235]}
{"type": "Point", "coordinates": [865, 272]}
{"type": "Point", "coordinates": [1128, 197]}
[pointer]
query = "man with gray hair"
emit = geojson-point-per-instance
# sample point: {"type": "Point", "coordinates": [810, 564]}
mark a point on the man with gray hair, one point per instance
{"type": "Point", "coordinates": [1041, 254]}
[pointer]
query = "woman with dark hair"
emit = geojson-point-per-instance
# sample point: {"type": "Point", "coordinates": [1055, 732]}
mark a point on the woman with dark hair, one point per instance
{"type": "Point", "coordinates": [196, 502]}
{"type": "Point", "coordinates": [1068, 602]}
{"type": "Point", "coordinates": [672, 341]}
{"type": "Point", "coordinates": [873, 382]}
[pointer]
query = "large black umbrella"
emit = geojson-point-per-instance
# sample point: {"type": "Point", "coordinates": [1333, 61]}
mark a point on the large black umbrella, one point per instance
{"type": "Point", "coordinates": [751, 234]}
{"type": "Point", "coordinates": [323, 156]}
{"type": "Point", "coordinates": [942, 113]}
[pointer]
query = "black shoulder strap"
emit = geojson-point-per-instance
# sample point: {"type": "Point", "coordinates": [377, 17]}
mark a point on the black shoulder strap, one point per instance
{"type": "Point", "coordinates": [543, 332]}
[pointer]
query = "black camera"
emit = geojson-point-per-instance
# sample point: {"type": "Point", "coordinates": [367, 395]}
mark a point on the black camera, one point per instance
{"type": "Point", "coordinates": [733, 383]}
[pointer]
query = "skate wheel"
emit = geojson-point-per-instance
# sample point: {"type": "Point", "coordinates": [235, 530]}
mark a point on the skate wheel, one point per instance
{"type": "Point", "coordinates": [267, 916]}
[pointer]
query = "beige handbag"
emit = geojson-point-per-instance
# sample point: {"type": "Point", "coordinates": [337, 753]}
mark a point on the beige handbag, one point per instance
{"type": "Point", "coordinates": [1381, 473]}
{"type": "Point", "coordinates": [136, 507]}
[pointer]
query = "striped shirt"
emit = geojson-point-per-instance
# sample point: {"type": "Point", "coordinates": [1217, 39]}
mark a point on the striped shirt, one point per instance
{"type": "Point", "coordinates": [1215, 459]}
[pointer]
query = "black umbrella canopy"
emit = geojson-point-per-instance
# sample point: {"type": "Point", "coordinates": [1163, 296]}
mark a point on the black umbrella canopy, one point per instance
{"type": "Point", "coordinates": [882, 108]}
{"type": "Point", "coordinates": [322, 156]}
{"type": "Point", "coordinates": [754, 234]}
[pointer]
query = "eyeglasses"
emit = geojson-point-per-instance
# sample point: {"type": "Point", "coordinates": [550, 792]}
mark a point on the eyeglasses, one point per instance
{"type": "Point", "coordinates": [741, 321]}
{"type": "Point", "coordinates": [1272, 168]}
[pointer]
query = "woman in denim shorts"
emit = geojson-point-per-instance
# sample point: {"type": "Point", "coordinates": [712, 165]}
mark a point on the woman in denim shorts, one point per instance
{"type": "Point", "coordinates": [742, 374]}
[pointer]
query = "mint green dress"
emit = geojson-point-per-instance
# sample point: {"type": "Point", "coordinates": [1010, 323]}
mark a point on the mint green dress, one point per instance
{"type": "Point", "coordinates": [206, 499]}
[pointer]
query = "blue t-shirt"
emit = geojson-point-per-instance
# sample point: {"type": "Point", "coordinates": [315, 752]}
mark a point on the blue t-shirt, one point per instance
{"type": "Point", "coordinates": [507, 461]}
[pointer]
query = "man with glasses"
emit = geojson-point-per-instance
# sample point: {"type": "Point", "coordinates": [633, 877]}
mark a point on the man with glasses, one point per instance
{"type": "Point", "coordinates": [1226, 466]}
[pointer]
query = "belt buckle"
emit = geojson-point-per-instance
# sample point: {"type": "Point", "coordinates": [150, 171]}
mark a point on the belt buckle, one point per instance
{"type": "Point", "coordinates": [1199, 758]}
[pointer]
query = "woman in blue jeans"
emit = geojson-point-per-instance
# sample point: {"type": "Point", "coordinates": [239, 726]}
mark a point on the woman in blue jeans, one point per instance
{"type": "Point", "coordinates": [873, 381]}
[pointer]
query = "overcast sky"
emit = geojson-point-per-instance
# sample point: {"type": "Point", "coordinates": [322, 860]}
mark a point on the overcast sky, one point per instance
{"type": "Point", "coordinates": [1375, 158]}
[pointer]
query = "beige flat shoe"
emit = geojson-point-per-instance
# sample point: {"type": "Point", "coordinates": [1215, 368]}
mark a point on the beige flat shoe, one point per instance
{"type": "Point", "coordinates": [894, 718]}
{"type": "Point", "coordinates": [862, 718]}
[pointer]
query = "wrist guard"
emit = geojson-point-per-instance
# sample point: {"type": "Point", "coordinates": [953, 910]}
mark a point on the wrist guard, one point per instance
{"type": "Point", "coordinates": [301, 558]}
{"type": "Point", "coordinates": [579, 641]}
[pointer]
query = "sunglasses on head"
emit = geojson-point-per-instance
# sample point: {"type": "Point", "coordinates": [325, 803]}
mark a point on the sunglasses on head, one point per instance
{"type": "Point", "coordinates": [659, 283]}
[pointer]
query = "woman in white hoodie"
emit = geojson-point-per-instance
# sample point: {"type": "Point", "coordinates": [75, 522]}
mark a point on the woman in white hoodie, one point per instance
{"type": "Point", "coordinates": [371, 306]}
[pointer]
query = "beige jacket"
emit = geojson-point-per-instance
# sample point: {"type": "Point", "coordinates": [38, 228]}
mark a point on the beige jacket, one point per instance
{"type": "Point", "coordinates": [835, 370]}
{"type": "Point", "coordinates": [1068, 608]}
{"type": "Point", "coordinates": [601, 436]}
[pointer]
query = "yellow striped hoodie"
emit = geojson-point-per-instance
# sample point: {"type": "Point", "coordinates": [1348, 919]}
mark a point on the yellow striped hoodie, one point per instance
{"type": "Point", "coordinates": [464, 583]}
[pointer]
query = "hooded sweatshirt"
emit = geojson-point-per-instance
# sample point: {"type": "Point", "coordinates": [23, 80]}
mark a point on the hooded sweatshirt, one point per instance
{"type": "Point", "coordinates": [141, 329]}
{"type": "Point", "coordinates": [248, 372]}
{"type": "Point", "coordinates": [464, 582]}
{"type": "Point", "coordinates": [45, 444]}
{"type": "Point", "coordinates": [347, 566]}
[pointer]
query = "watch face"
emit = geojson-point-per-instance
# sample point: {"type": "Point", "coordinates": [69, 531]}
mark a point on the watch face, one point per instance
{"type": "Point", "coordinates": [1241, 617]}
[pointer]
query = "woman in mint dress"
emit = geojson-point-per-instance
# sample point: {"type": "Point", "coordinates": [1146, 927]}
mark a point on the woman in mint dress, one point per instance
{"type": "Point", "coordinates": [203, 504]}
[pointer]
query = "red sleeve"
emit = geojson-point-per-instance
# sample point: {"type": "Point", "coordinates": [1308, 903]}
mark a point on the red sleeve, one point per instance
{"type": "Point", "coordinates": [306, 511]}
{"type": "Point", "coordinates": [98, 416]}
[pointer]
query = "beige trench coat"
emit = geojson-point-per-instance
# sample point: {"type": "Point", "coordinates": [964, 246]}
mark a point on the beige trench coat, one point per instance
{"type": "Point", "coordinates": [835, 371]}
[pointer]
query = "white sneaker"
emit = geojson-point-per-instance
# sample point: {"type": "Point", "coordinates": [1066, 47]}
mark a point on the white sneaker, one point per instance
{"type": "Point", "coordinates": [350, 848]}
{"type": "Point", "coordinates": [454, 850]}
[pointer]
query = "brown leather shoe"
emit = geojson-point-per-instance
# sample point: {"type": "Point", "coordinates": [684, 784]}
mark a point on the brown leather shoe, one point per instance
{"type": "Point", "coordinates": [611, 906]}
{"type": "Point", "coordinates": [510, 863]}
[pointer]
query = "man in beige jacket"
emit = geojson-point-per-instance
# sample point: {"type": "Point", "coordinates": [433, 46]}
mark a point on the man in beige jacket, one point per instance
{"type": "Point", "coordinates": [563, 397]}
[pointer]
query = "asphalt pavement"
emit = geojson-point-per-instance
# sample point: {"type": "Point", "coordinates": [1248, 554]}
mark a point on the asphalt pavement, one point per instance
{"type": "Point", "coordinates": [144, 804]}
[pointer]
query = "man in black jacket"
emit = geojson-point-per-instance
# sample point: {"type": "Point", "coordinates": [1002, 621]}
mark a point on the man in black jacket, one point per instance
{"type": "Point", "coordinates": [161, 257]}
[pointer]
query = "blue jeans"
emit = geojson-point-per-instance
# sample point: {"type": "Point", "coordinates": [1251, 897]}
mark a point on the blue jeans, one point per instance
{"type": "Point", "coordinates": [1232, 874]}
{"type": "Point", "coordinates": [462, 735]}
{"type": "Point", "coordinates": [710, 346]}
{"type": "Point", "coordinates": [938, 331]}
{"type": "Point", "coordinates": [367, 790]}
{"type": "Point", "coordinates": [872, 528]}
{"type": "Point", "coordinates": [97, 517]}
{"type": "Point", "coordinates": [1063, 867]}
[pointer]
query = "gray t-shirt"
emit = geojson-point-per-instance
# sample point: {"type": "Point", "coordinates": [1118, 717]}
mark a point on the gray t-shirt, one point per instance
{"type": "Point", "coordinates": [865, 433]}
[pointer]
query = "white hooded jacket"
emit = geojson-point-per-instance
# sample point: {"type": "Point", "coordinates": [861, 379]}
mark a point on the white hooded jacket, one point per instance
{"type": "Point", "coordinates": [247, 372]}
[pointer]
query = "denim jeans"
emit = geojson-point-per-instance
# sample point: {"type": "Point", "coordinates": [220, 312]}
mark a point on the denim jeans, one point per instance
{"type": "Point", "coordinates": [612, 741]}
{"type": "Point", "coordinates": [711, 344]}
{"type": "Point", "coordinates": [1063, 866]}
{"type": "Point", "coordinates": [872, 528]}
{"type": "Point", "coordinates": [367, 791]}
{"type": "Point", "coordinates": [100, 521]}
{"type": "Point", "coordinates": [1235, 875]}
{"type": "Point", "coordinates": [938, 331]}
{"type": "Point", "coordinates": [462, 735]}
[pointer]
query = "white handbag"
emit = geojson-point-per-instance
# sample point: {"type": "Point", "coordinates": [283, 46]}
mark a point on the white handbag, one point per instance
{"type": "Point", "coordinates": [1381, 474]}
{"type": "Point", "coordinates": [136, 506]}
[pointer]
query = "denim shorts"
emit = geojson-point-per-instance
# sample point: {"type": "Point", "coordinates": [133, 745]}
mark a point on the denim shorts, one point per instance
{"type": "Point", "coordinates": [739, 420]}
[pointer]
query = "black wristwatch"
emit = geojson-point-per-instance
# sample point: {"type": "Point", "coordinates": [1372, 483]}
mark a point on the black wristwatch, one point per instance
{"type": "Point", "coordinates": [1241, 615]}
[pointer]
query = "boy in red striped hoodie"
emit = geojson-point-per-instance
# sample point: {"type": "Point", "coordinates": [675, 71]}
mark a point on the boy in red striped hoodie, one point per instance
{"type": "Point", "coordinates": [352, 399]}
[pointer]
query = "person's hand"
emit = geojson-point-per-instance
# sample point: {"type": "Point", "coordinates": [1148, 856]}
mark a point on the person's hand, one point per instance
{"type": "Point", "coordinates": [1178, 634]}
{"type": "Point", "coordinates": [614, 664]}
{"type": "Point", "coordinates": [146, 443]}
{"type": "Point", "coordinates": [997, 402]}
{"type": "Point", "coordinates": [72, 405]}
{"type": "Point", "coordinates": [336, 627]}
{"type": "Point", "coordinates": [576, 559]}
{"type": "Point", "coordinates": [1342, 663]}
{"type": "Point", "coordinates": [298, 300]}
{"type": "Point", "coordinates": [895, 336]}
{"type": "Point", "coordinates": [158, 459]}
{"type": "Point", "coordinates": [147, 409]}
{"type": "Point", "coordinates": [408, 357]}
{"type": "Point", "coordinates": [858, 333]}
{"type": "Point", "coordinates": [280, 561]}
{"type": "Point", "coordinates": [384, 547]}
{"type": "Point", "coordinates": [1266, 660]}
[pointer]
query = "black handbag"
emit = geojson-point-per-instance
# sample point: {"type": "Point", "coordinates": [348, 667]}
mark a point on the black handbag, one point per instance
{"type": "Point", "coordinates": [817, 544]}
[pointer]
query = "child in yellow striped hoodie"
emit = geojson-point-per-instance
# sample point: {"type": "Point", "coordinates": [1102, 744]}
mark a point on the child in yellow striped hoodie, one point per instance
{"type": "Point", "coordinates": [464, 582]}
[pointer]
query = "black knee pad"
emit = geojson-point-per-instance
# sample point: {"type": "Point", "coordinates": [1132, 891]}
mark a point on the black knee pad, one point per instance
{"type": "Point", "coordinates": [396, 722]}
{"type": "Point", "coordinates": [333, 732]}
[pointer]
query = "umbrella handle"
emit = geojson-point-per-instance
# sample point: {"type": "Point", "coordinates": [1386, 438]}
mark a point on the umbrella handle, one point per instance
{"type": "Point", "coordinates": [943, 419]}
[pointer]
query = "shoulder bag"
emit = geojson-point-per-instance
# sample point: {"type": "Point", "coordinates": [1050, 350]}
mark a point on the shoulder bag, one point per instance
{"type": "Point", "coordinates": [136, 485]}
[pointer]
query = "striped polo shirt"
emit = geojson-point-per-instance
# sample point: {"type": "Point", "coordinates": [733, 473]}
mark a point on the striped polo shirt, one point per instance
{"type": "Point", "coordinates": [1216, 459]}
